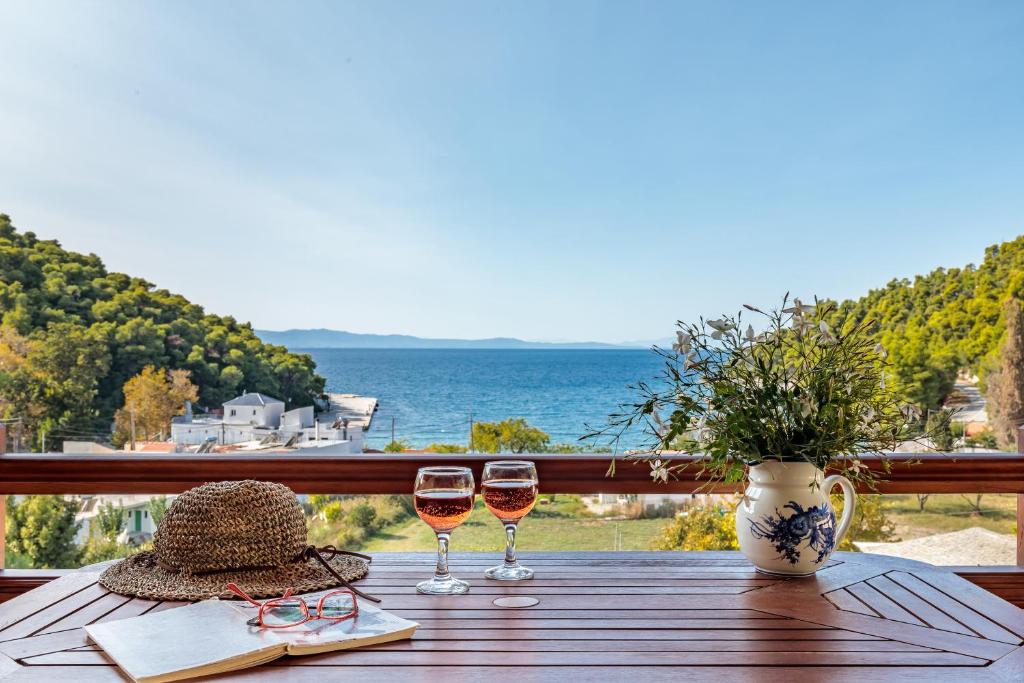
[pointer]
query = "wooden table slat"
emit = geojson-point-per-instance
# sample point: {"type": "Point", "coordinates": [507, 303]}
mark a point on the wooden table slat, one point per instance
{"type": "Point", "coordinates": [603, 616]}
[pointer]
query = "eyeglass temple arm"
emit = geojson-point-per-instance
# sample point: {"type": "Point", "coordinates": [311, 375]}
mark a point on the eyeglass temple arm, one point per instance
{"type": "Point", "coordinates": [242, 594]}
{"type": "Point", "coordinates": [312, 553]}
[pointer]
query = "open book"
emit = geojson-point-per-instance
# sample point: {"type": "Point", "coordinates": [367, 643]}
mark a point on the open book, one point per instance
{"type": "Point", "coordinates": [212, 637]}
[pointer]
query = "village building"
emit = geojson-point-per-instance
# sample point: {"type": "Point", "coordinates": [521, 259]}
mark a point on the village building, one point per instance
{"type": "Point", "coordinates": [137, 527]}
{"type": "Point", "coordinates": [258, 421]}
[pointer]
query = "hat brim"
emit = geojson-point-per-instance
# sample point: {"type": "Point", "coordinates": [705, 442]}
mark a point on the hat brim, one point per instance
{"type": "Point", "coordinates": [141, 576]}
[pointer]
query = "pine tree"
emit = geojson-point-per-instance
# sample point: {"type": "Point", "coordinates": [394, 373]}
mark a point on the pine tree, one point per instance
{"type": "Point", "coordinates": [1006, 386]}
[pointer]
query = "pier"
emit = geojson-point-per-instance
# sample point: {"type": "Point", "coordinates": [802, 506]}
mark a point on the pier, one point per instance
{"type": "Point", "coordinates": [356, 410]}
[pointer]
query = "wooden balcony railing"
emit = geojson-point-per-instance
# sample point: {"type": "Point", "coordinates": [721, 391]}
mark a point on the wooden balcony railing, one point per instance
{"type": "Point", "coordinates": [394, 473]}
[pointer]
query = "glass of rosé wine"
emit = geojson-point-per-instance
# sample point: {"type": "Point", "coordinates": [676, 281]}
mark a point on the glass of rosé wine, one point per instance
{"type": "Point", "coordinates": [509, 489]}
{"type": "Point", "coordinates": [443, 498]}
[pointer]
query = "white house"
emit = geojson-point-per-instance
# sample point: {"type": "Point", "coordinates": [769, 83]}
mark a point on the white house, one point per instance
{"type": "Point", "coordinates": [297, 419]}
{"type": "Point", "coordinates": [262, 420]}
{"type": "Point", "coordinates": [137, 525]}
{"type": "Point", "coordinates": [601, 503]}
{"type": "Point", "coordinates": [255, 409]}
{"type": "Point", "coordinates": [249, 417]}
{"type": "Point", "coordinates": [196, 431]}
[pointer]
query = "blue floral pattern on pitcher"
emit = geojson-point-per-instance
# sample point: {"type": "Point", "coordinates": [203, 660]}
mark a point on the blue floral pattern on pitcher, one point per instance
{"type": "Point", "coordinates": [816, 525]}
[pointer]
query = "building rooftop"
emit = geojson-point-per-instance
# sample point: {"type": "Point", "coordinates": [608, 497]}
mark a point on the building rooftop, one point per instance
{"type": "Point", "coordinates": [253, 399]}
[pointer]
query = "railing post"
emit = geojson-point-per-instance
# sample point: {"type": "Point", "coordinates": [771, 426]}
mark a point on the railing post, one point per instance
{"type": "Point", "coordinates": [1020, 529]}
{"type": "Point", "coordinates": [1020, 505]}
{"type": "Point", "coordinates": [3, 505]}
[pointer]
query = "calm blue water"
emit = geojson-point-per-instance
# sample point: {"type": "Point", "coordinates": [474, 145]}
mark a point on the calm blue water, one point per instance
{"type": "Point", "coordinates": [431, 392]}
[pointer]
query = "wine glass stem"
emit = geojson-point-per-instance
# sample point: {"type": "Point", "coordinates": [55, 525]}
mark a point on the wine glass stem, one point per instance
{"type": "Point", "coordinates": [441, 572]}
{"type": "Point", "coordinates": [510, 546]}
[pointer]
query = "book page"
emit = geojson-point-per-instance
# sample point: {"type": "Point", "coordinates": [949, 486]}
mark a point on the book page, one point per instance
{"type": "Point", "coordinates": [208, 636]}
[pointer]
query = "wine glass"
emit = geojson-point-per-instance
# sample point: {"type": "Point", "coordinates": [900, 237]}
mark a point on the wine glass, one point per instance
{"type": "Point", "coordinates": [443, 498]}
{"type": "Point", "coordinates": [510, 490]}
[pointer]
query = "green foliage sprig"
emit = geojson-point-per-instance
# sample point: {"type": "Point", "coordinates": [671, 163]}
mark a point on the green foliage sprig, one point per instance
{"type": "Point", "coordinates": [794, 389]}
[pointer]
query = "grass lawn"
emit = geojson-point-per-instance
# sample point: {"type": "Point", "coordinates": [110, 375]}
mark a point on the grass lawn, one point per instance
{"type": "Point", "coordinates": [541, 530]}
{"type": "Point", "coordinates": [950, 512]}
{"type": "Point", "coordinates": [559, 526]}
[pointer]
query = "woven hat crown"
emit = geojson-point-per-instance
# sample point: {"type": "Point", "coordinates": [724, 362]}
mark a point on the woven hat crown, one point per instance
{"type": "Point", "coordinates": [231, 525]}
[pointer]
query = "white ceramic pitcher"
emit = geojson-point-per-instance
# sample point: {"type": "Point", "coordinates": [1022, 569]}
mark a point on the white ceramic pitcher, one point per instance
{"type": "Point", "coordinates": [785, 523]}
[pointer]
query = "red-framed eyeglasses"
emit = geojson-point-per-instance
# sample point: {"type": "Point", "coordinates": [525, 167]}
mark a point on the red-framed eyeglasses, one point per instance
{"type": "Point", "coordinates": [287, 611]}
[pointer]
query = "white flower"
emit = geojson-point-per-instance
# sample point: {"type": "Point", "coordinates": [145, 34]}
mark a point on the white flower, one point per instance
{"type": "Point", "coordinates": [799, 308]}
{"type": "Point", "coordinates": [749, 334]}
{"type": "Point", "coordinates": [806, 408]}
{"type": "Point", "coordinates": [869, 417]}
{"type": "Point", "coordinates": [802, 324]}
{"type": "Point", "coordinates": [880, 350]}
{"type": "Point", "coordinates": [682, 343]}
{"type": "Point", "coordinates": [721, 325]}
{"type": "Point", "coordinates": [910, 411]}
{"type": "Point", "coordinates": [826, 336]}
{"type": "Point", "coordinates": [659, 470]}
{"type": "Point", "coordinates": [858, 467]}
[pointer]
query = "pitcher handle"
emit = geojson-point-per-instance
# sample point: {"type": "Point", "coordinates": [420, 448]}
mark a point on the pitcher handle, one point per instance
{"type": "Point", "coordinates": [849, 502]}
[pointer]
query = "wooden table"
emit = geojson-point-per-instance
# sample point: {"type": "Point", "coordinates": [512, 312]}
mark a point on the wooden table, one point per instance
{"type": "Point", "coordinates": [603, 617]}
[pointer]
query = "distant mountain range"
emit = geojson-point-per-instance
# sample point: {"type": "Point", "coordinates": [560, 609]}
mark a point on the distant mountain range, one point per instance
{"type": "Point", "coordinates": [337, 339]}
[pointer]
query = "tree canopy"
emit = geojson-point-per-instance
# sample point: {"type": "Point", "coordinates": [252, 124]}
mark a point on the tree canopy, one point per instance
{"type": "Point", "coordinates": [514, 435]}
{"type": "Point", "coordinates": [151, 399]}
{"type": "Point", "coordinates": [42, 528]}
{"type": "Point", "coordinates": [937, 324]}
{"type": "Point", "coordinates": [72, 333]}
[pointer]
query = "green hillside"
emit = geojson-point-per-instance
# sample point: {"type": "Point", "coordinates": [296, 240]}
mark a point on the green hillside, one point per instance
{"type": "Point", "coordinates": [941, 322]}
{"type": "Point", "coordinates": [72, 333]}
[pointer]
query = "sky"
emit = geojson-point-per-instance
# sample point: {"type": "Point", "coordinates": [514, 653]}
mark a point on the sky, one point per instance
{"type": "Point", "coordinates": [551, 171]}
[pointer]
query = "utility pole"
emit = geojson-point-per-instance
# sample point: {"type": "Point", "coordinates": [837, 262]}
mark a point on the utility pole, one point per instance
{"type": "Point", "coordinates": [471, 432]}
{"type": "Point", "coordinates": [131, 415]}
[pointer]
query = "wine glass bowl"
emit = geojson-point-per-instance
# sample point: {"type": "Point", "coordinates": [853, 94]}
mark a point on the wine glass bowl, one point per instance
{"type": "Point", "coordinates": [442, 509]}
{"type": "Point", "coordinates": [443, 498]}
{"type": "Point", "coordinates": [509, 489]}
{"type": "Point", "coordinates": [509, 500]}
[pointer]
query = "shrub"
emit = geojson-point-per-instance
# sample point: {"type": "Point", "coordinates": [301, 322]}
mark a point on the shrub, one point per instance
{"type": "Point", "coordinates": [333, 511]}
{"type": "Point", "coordinates": [702, 527]}
{"type": "Point", "coordinates": [714, 528]}
{"type": "Point", "coordinates": [42, 528]}
{"type": "Point", "coordinates": [869, 522]}
{"type": "Point", "coordinates": [446, 448]}
{"type": "Point", "coordinates": [361, 515]}
{"type": "Point", "coordinates": [99, 548]}
{"type": "Point", "coordinates": [349, 522]}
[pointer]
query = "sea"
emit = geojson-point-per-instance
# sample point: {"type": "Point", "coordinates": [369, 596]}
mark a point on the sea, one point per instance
{"type": "Point", "coordinates": [429, 395]}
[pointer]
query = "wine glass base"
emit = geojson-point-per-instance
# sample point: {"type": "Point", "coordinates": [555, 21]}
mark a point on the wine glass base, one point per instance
{"type": "Point", "coordinates": [505, 573]}
{"type": "Point", "coordinates": [450, 586]}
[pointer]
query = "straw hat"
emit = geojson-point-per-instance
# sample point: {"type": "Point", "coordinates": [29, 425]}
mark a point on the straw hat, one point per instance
{"type": "Point", "coordinates": [251, 533]}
